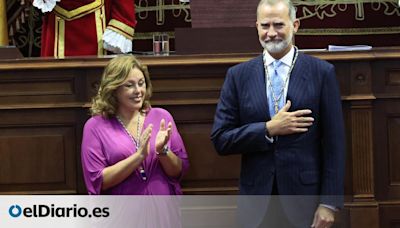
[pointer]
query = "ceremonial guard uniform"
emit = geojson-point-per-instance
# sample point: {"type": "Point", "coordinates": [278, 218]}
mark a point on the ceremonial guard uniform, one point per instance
{"type": "Point", "coordinates": [87, 27]}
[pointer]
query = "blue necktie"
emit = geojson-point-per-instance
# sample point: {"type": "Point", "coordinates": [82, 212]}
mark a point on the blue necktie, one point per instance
{"type": "Point", "coordinates": [277, 85]}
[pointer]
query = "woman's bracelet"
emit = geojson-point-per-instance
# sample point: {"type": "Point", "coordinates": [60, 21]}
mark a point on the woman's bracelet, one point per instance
{"type": "Point", "coordinates": [164, 151]}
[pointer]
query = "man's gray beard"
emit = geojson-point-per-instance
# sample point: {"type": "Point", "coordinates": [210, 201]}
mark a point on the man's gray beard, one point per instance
{"type": "Point", "coordinates": [277, 47]}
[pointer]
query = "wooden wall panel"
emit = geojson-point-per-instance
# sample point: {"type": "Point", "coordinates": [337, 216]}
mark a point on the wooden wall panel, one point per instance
{"type": "Point", "coordinates": [394, 150]}
{"type": "Point", "coordinates": [387, 125]}
{"type": "Point", "coordinates": [27, 87]}
{"type": "Point", "coordinates": [26, 157]}
{"type": "Point", "coordinates": [37, 87]}
{"type": "Point", "coordinates": [38, 151]}
{"type": "Point", "coordinates": [393, 77]}
{"type": "Point", "coordinates": [364, 216]}
{"type": "Point", "coordinates": [389, 215]}
{"type": "Point", "coordinates": [387, 81]}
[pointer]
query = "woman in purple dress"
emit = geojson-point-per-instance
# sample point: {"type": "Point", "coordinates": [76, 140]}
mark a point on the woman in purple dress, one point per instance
{"type": "Point", "coordinates": [128, 147]}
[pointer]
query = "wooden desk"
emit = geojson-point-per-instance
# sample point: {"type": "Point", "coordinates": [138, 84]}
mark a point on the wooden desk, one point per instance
{"type": "Point", "coordinates": [44, 105]}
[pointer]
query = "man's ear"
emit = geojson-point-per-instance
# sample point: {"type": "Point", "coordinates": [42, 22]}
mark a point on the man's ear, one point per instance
{"type": "Point", "coordinates": [296, 25]}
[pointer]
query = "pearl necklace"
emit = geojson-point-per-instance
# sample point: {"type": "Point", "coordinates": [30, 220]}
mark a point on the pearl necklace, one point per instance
{"type": "Point", "coordinates": [276, 98]}
{"type": "Point", "coordinates": [142, 172]}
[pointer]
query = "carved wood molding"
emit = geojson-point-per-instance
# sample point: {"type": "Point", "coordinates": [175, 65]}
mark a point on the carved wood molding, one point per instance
{"type": "Point", "coordinates": [362, 150]}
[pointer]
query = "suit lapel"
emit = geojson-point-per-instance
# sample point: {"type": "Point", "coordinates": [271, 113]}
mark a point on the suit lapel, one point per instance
{"type": "Point", "coordinates": [297, 82]}
{"type": "Point", "coordinates": [260, 88]}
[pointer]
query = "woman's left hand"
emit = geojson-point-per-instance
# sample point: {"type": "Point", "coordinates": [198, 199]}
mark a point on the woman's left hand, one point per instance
{"type": "Point", "coordinates": [163, 135]}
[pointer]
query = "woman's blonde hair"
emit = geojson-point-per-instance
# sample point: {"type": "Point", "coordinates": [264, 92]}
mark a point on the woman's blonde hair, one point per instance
{"type": "Point", "coordinates": [105, 103]}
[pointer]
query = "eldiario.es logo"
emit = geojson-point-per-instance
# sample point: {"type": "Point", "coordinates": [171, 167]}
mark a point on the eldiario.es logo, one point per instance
{"type": "Point", "coordinates": [42, 210]}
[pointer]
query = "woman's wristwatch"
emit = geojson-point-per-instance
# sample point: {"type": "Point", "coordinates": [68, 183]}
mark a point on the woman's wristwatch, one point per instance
{"type": "Point", "coordinates": [164, 151]}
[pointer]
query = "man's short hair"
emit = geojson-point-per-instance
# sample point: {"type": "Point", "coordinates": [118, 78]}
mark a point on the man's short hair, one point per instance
{"type": "Point", "coordinates": [288, 3]}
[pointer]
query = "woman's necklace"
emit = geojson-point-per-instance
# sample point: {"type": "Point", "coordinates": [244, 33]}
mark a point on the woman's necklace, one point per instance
{"type": "Point", "coordinates": [136, 141]}
{"type": "Point", "coordinates": [278, 97]}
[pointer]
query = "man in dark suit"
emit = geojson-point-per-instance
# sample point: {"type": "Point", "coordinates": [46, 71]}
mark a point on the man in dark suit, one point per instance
{"type": "Point", "coordinates": [291, 133]}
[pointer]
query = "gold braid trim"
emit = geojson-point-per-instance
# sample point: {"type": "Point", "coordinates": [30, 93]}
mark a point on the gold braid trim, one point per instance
{"type": "Point", "coordinates": [70, 15]}
{"type": "Point", "coordinates": [121, 28]}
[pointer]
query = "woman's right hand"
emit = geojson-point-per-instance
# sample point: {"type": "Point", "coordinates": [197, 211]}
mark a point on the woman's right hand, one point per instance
{"type": "Point", "coordinates": [144, 145]}
{"type": "Point", "coordinates": [115, 174]}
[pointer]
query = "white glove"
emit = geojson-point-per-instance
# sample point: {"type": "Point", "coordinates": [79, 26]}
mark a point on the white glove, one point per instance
{"type": "Point", "coordinates": [45, 5]}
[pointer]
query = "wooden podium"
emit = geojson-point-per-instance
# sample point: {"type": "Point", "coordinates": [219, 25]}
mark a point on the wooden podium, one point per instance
{"type": "Point", "coordinates": [225, 26]}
